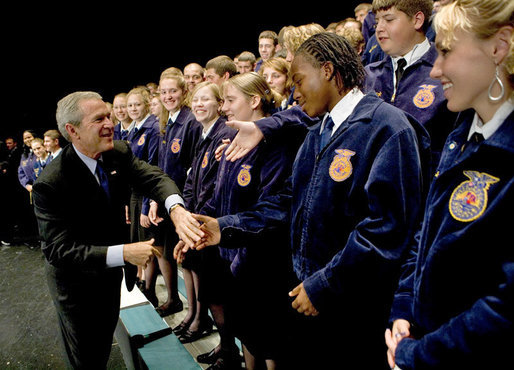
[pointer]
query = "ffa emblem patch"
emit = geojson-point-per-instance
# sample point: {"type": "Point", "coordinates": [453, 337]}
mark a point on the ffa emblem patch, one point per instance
{"type": "Point", "coordinates": [141, 140]}
{"type": "Point", "coordinates": [341, 167]}
{"type": "Point", "coordinates": [424, 97]}
{"type": "Point", "coordinates": [175, 146]}
{"type": "Point", "coordinates": [205, 160]}
{"type": "Point", "coordinates": [244, 177]}
{"type": "Point", "coordinates": [469, 200]}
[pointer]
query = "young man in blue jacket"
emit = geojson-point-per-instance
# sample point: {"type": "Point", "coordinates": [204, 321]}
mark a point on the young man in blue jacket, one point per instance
{"type": "Point", "coordinates": [402, 78]}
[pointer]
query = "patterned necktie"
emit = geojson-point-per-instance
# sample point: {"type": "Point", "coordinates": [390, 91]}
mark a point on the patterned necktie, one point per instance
{"type": "Point", "coordinates": [326, 133]}
{"type": "Point", "coordinates": [102, 177]}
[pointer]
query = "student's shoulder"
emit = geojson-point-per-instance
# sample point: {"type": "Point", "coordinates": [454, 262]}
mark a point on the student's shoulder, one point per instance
{"type": "Point", "coordinates": [381, 113]}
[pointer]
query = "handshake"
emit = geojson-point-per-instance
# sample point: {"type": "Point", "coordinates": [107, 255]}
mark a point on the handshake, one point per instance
{"type": "Point", "coordinates": [207, 233]}
{"type": "Point", "coordinates": [194, 232]}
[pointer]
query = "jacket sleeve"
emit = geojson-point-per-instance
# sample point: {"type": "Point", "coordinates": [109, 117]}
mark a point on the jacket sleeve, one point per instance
{"type": "Point", "coordinates": [484, 330]}
{"type": "Point", "coordinates": [58, 245]}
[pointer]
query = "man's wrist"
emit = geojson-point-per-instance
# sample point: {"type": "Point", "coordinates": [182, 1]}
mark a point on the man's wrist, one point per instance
{"type": "Point", "coordinates": [174, 207]}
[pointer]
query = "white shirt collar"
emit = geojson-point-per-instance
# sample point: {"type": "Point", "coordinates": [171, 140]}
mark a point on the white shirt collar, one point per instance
{"type": "Point", "coordinates": [56, 153]}
{"type": "Point", "coordinates": [489, 128]}
{"type": "Point", "coordinates": [88, 161]}
{"type": "Point", "coordinates": [343, 108]}
{"type": "Point", "coordinates": [138, 126]}
{"type": "Point", "coordinates": [128, 129]}
{"type": "Point", "coordinates": [414, 55]}
{"type": "Point", "coordinates": [174, 116]}
{"type": "Point", "coordinates": [206, 133]}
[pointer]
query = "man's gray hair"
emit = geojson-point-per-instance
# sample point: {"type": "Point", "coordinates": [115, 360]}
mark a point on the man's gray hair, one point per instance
{"type": "Point", "coordinates": [68, 110]}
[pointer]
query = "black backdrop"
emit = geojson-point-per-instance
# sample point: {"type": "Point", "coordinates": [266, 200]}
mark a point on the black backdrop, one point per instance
{"type": "Point", "coordinates": [52, 50]}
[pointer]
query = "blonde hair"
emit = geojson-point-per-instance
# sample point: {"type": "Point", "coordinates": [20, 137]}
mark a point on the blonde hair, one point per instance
{"type": "Point", "coordinates": [295, 36]}
{"type": "Point", "coordinates": [170, 74]}
{"type": "Point", "coordinates": [483, 18]}
{"type": "Point", "coordinates": [353, 36]}
{"type": "Point", "coordinates": [282, 66]}
{"type": "Point", "coordinates": [144, 93]}
{"type": "Point", "coordinates": [212, 86]}
{"type": "Point", "coordinates": [253, 84]}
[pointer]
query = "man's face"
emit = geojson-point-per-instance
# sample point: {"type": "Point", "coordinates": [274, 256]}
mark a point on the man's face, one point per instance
{"type": "Point", "coordinates": [245, 66]}
{"type": "Point", "coordinates": [94, 135]}
{"type": "Point", "coordinates": [9, 143]}
{"type": "Point", "coordinates": [266, 48]}
{"type": "Point", "coordinates": [193, 76]}
{"type": "Point", "coordinates": [51, 144]}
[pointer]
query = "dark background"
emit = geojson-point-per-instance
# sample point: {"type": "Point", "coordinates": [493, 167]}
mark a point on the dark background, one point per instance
{"type": "Point", "coordinates": [52, 50]}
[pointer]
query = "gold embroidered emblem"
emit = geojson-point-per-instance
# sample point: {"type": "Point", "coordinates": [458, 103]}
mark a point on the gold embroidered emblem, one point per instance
{"type": "Point", "coordinates": [175, 146]}
{"type": "Point", "coordinates": [244, 177]}
{"type": "Point", "coordinates": [469, 200]}
{"type": "Point", "coordinates": [205, 160]}
{"type": "Point", "coordinates": [424, 97]}
{"type": "Point", "coordinates": [341, 167]}
{"type": "Point", "coordinates": [141, 140]}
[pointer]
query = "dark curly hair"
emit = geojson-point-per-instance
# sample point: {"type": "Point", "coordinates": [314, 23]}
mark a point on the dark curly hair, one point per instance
{"type": "Point", "coordinates": [330, 47]}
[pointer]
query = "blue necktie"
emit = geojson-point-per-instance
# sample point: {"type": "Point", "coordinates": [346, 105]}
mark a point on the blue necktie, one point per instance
{"type": "Point", "coordinates": [104, 183]}
{"type": "Point", "coordinates": [326, 133]}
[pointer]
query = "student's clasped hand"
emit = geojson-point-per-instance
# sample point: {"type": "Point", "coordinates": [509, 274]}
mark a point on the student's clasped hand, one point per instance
{"type": "Point", "coordinates": [400, 330]}
{"type": "Point", "coordinates": [302, 303]}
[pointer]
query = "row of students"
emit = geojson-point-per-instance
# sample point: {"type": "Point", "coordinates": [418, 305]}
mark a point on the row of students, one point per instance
{"type": "Point", "coordinates": [353, 204]}
{"type": "Point", "coordinates": [356, 204]}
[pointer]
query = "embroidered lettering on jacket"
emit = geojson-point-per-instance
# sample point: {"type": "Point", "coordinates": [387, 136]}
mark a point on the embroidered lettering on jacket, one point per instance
{"type": "Point", "coordinates": [424, 97]}
{"type": "Point", "coordinates": [341, 167]}
{"type": "Point", "coordinates": [469, 200]}
{"type": "Point", "coordinates": [175, 145]}
{"type": "Point", "coordinates": [244, 177]}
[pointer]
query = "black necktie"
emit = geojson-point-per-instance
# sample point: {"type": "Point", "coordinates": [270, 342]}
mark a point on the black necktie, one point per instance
{"type": "Point", "coordinates": [473, 142]}
{"type": "Point", "coordinates": [476, 138]}
{"type": "Point", "coordinates": [326, 133]}
{"type": "Point", "coordinates": [104, 183]}
{"type": "Point", "coordinates": [400, 68]}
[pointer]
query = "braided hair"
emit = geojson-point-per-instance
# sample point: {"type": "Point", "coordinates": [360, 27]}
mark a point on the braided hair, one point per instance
{"type": "Point", "coordinates": [330, 47]}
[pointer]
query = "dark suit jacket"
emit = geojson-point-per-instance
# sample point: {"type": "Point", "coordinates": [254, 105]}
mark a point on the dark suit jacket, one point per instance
{"type": "Point", "coordinates": [77, 223]}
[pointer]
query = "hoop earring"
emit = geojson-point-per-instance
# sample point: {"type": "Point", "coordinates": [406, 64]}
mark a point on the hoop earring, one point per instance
{"type": "Point", "coordinates": [499, 81]}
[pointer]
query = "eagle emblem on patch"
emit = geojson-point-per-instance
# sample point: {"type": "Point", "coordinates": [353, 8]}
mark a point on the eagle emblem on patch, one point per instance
{"type": "Point", "coordinates": [175, 146]}
{"type": "Point", "coordinates": [469, 200]}
{"type": "Point", "coordinates": [141, 140]}
{"type": "Point", "coordinates": [205, 160]}
{"type": "Point", "coordinates": [244, 177]}
{"type": "Point", "coordinates": [424, 97]}
{"type": "Point", "coordinates": [341, 167]}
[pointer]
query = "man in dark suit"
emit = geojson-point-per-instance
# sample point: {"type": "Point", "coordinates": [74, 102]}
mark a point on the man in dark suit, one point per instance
{"type": "Point", "coordinates": [79, 204]}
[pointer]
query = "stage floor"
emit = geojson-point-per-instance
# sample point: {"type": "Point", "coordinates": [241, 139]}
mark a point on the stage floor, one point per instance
{"type": "Point", "coordinates": [29, 336]}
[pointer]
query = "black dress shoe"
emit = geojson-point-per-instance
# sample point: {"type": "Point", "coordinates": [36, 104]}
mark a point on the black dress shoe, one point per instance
{"type": "Point", "coordinates": [190, 336]}
{"type": "Point", "coordinates": [181, 328]}
{"type": "Point", "coordinates": [226, 363]}
{"type": "Point", "coordinates": [172, 308]}
{"type": "Point", "coordinates": [209, 357]}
